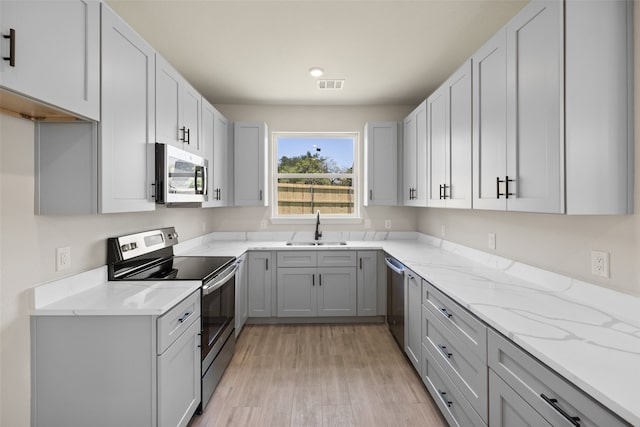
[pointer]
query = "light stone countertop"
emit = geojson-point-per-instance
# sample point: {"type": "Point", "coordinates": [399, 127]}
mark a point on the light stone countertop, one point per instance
{"type": "Point", "coordinates": [588, 334]}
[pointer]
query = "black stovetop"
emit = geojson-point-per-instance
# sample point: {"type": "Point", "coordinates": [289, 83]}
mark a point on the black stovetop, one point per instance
{"type": "Point", "coordinates": [183, 268]}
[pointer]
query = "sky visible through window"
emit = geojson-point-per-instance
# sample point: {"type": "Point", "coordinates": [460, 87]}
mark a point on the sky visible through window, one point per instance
{"type": "Point", "coordinates": [338, 149]}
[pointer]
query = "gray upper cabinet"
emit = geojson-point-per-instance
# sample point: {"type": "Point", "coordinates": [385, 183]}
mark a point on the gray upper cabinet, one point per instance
{"type": "Point", "coordinates": [177, 109]}
{"type": "Point", "coordinates": [599, 136]}
{"type": "Point", "coordinates": [415, 157]}
{"type": "Point", "coordinates": [449, 142]}
{"type": "Point", "coordinates": [127, 126]}
{"type": "Point", "coordinates": [489, 121]}
{"type": "Point", "coordinates": [43, 31]}
{"type": "Point", "coordinates": [381, 150]}
{"type": "Point", "coordinates": [552, 110]}
{"type": "Point", "coordinates": [250, 164]}
{"type": "Point", "coordinates": [215, 146]}
{"type": "Point", "coordinates": [534, 178]}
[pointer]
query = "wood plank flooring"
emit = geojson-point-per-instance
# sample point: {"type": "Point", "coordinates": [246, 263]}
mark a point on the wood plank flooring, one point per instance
{"type": "Point", "coordinates": [319, 375]}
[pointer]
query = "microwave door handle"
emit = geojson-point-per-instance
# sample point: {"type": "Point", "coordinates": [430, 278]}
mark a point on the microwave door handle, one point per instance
{"type": "Point", "coordinates": [205, 181]}
{"type": "Point", "coordinates": [199, 171]}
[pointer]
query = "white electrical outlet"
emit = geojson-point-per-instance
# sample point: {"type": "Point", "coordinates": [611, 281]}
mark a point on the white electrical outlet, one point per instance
{"type": "Point", "coordinates": [63, 258]}
{"type": "Point", "coordinates": [491, 242]}
{"type": "Point", "coordinates": [600, 263]}
{"type": "Point", "coordinates": [387, 224]}
{"type": "Point", "coordinates": [367, 223]}
{"type": "Point", "coordinates": [443, 230]}
{"type": "Point", "coordinates": [263, 224]}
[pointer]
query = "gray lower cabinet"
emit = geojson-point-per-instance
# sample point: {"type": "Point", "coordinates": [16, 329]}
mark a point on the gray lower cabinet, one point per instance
{"type": "Point", "coordinates": [549, 395]}
{"type": "Point", "coordinates": [242, 282]}
{"type": "Point", "coordinates": [317, 283]}
{"type": "Point", "coordinates": [413, 317]}
{"type": "Point", "coordinates": [367, 279]}
{"type": "Point", "coordinates": [453, 405]}
{"type": "Point", "coordinates": [260, 284]}
{"type": "Point", "coordinates": [116, 370]}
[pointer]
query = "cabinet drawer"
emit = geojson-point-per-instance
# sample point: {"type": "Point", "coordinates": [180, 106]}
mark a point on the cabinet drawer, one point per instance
{"type": "Point", "coordinates": [297, 259]}
{"type": "Point", "coordinates": [336, 259]}
{"type": "Point", "coordinates": [451, 402]}
{"type": "Point", "coordinates": [532, 380]}
{"type": "Point", "coordinates": [507, 408]}
{"type": "Point", "coordinates": [463, 367]}
{"type": "Point", "coordinates": [459, 321]}
{"type": "Point", "coordinates": [177, 320]}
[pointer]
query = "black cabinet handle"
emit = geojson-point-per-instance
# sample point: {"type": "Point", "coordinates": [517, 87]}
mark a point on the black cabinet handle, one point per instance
{"type": "Point", "coordinates": [443, 349]}
{"type": "Point", "coordinates": [313, 280]}
{"type": "Point", "coordinates": [185, 317]}
{"type": "Point", "coordinates": [182, 138]}
{"type": "Point", "coordinates": [554, 404]}
{"type": "Point", "coordinates": [444, 191]}
{"type": "Point", "coordinates": [260, 195]}
{"type": "Point", "coordinates": [498, 193]}
{"type": "Point", "coordinates": [445, 313]}
{"type": "Point", "coordinates": [507, 181]}
{"type": "Point", "coordinates": [443, 396]}
{"type": "Point", "coordinates": [188, 136]}
{"type": "Point", "coordinates": [361, 263]}
{"type": "Point", "coordinates": [370, 194]}
{"type": "Point", "coordinates": [440, 192]}
{"type": "Point", "coordinates": [12, 47]}
{"type": "Point", "coordinates": [266, 263]}
{"type": "Point", "coordinates": [320, 277]}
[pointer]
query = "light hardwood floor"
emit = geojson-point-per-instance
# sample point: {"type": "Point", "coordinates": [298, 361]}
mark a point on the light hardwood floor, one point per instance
{"type": "Point", "coordinates": [319, 375]}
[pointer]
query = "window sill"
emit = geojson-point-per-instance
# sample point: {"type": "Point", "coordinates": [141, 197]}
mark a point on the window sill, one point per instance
{"type": "Point", "coordinates": [312, 220]}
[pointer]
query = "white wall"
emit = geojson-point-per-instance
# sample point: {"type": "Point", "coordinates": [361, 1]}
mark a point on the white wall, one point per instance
{"type": "Point", "coordinates": [555, 242]}
{"type": "Point", "coordinates": [281, 118]}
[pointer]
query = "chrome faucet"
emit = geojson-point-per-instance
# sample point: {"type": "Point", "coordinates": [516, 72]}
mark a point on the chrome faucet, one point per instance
{"type": "Point", "coordinates": [318, 232]}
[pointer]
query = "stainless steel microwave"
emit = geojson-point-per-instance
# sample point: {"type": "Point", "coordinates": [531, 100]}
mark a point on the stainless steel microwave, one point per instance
{"type": "Point", "coordinates": [181, 177]}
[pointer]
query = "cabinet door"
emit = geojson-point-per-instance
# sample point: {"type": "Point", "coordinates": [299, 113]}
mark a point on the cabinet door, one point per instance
{"type": "Point", "coordinates": [57, 53]}
{"type": "Point", "coordinates": [126, 130]}
{"type": "Point", "coordinates": [207, 121]}
{"type": "Point", "coordinates": [489, 122]}
{"type": "Point", "coordinates": [409, 159]}
{"type": "Point", "coordinates": [420, 193]}
{"type": "Point", "coordinates": [167, 89]}
{"type": "Point", "coordinates": [437, 141]}
{"type": "Point", "coordinates": [337, 290]}
{"type": "Point", "coordinates": [250, 164]}
{"type": "Point", "coordinates": [259, 286]}
{"type": "Point", "coordinates": [507, 408]}
{"type": "Point", "coordinates": [179, 379]}
{"type": "Point", "coordinates": [190, 105]}
{"type": "Point", "coordinates": [535, 75]}
{"type": "Point", "coordinates": [413, 317]}
{"type": "Point", "coordinates": [221, 171]}
{"type": "Point", "coordinates": [367, 278]}
{"type": "Point", "coordinates": [297, 296]}
{"type": "Point", "coordinates": [458, 149]}
{"type": "Point", "coordinates": [242, 310]}
{"type": "Point", "coordinates": [381, 164]}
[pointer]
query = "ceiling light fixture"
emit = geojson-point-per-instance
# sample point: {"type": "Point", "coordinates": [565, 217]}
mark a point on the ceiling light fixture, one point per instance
{"type": "Point", "coordinates": [316, 71]}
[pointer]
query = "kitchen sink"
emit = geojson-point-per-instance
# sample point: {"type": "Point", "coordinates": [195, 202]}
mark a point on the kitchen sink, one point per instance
{"type": "Point", "coordinates": [316, 243]}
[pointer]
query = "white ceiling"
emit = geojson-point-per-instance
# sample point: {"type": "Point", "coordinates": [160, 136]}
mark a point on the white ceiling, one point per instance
{"type": "Point", "coordinates": [390, 52]}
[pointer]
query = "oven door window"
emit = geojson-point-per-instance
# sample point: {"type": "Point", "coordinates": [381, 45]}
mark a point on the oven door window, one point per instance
{"type": "Point", "coordinates": [218, 310]}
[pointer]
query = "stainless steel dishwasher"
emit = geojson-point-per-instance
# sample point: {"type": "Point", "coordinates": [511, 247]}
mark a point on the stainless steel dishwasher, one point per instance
{"type": "Point", "coordinates": [395, 299]}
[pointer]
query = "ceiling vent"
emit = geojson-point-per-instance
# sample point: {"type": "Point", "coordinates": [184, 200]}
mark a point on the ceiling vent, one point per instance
{"type": "Point", "coordinates": [330, 84]}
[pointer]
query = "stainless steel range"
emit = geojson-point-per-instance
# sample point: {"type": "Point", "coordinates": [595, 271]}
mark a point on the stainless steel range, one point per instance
{"type": "Point", "coordinates": [149, 256]}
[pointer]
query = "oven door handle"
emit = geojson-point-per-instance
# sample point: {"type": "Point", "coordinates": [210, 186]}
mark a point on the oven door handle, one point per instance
{"type": "Point", "coordinates": [217, 283]}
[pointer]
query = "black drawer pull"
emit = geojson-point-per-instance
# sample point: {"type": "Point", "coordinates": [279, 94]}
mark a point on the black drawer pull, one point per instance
{"type": "Point", "coordinates": [554, 405]}
{"type": "Point", "coordinates": [445, 313]}
{"type": "Point", "coordinates": [12, 47]}
{"type": "Point", "coordinates": [443, 349]}
{"type": "Point", "coordinates": [185, 317]}
{"type": "Point", "coordinates": [443, 395]}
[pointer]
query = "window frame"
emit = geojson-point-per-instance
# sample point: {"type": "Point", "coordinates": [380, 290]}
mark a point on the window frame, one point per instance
{"type": "Point", "coordinates": [354, 218]}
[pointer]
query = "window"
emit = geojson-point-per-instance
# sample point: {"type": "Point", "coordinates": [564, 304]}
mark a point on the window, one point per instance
{"type": "Point", "coordinates": [315, 172]}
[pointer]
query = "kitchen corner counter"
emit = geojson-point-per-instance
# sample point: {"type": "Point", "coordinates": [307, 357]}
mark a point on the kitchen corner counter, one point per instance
{"type": "Point", "coordinates": [588, 334]}
{"type": "Point", "coordinates": [90, 294]}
